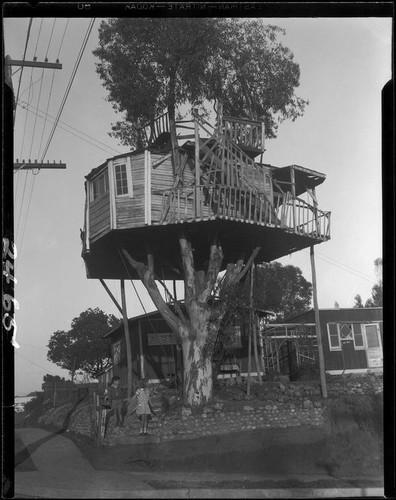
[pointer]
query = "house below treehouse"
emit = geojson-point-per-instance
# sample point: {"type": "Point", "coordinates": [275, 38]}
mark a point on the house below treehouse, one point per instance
{"type": "Point", "coordinates": [139, 201]}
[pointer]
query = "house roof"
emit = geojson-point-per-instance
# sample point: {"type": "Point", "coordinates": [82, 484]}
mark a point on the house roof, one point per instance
{"type": "Point", "coordinates": [151, 314]}
{"type": "Point", "coordinates": [304, 177]}
{"type": "Point", "coordinates": [331, 309]}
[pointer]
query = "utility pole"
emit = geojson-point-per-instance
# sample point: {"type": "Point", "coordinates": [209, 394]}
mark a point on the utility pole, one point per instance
{"type": "Point", "coordinates": [9, 63]}
{"type": "Point", "coordinates": [317, 326]}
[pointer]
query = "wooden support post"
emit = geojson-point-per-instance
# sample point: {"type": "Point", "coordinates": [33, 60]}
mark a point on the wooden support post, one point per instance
{"type": "Point", "coordinates": [317, 326]}
{"type": "Point", "coordinates": [249, 358]}
{"type": "Point", "coordinates": [253, 320]}
{"type": "Point", "coordinates": [142, 371]}
{"type": "Point", "coordinates": [128, 346]}
{"type": "Point", "coordinates": [261, 343]}
{"type": "Point", "coordinates": [111, 295]}
{"type": "Point", "coordinates": [197, 166]}
{"type": "Point", "coordinates": [293, 192]}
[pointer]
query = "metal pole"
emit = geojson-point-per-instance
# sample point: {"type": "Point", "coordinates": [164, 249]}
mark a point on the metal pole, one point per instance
{"type": "Point", "coordinates": [317, 326]}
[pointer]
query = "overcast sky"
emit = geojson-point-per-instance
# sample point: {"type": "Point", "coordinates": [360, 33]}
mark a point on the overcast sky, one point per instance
{"type": "Point", "coordinates": [344, 65]}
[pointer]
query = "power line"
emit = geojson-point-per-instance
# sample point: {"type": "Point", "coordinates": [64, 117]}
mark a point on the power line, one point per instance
{"type": "Point", "coordinates": [345, 268]}
{"type": "Point", "coordinates": [68, 87]}
{"type": "Point", "coordinates": [46, 115]}
{"type": "Point", "coordinates": [35, 364]}
{"type": "Point", "coordinates": [24, 56]}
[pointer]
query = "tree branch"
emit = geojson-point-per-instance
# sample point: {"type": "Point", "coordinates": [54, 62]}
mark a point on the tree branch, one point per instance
{"type": "Point", "coordinates": [188, 266]}
{"type": "Point", "coordinates": [147, 277]}
{"type": "Point", "coordinates": [215, 260]}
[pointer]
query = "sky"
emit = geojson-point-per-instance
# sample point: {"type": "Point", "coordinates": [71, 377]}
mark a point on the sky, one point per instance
{"type": "Point", "coordinates": [344, 63]}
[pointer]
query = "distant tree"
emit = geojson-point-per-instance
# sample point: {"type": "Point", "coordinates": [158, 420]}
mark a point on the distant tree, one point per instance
{"type": "Point", "coordinates": [336, 305]}
{"type": "Point", "coordinates": [82, 347]}
{"type": "Point", "coordinates": [280, 289]}
{"type": "Point", "coordinates": [376, 299]}
{"type": "Point", "coordinates": [358, 302]}
{"type": "Point", "coordinates": [49, 380]}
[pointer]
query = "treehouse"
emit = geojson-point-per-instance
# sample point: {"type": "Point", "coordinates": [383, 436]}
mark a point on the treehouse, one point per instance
{"type": "Point", "coordinates": [212, 184]}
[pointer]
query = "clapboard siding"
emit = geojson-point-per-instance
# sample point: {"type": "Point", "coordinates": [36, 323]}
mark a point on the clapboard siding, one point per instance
{"type": "Point", "coordinates": [130, 211]}
{"type": "Point", "coordinates": [99, 217]}
{"type": "Point", "coordinates": [161, 180]}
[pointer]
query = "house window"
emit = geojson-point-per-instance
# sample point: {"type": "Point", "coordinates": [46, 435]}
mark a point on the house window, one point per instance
{"type": "Point", "coordinates": [121, 179]}
{"type": "Point", "coordinates": [358, 339]}
{"type": "Point", "coordinates": [117, 352]}
{"type": "Point", "coordinates": [334, 337]}
{"type": "Point", "coordinates": [100, 186]}
{"type": "Point", "coordinates": [235, 337]}
{"type": "Point", "coordinates": [345, 331]}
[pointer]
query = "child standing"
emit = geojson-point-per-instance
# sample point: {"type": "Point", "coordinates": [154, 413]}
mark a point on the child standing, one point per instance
{"type": "Point", "coordinates": [114, 396]}
{"type": "Point", "coordinates": [144, 409]}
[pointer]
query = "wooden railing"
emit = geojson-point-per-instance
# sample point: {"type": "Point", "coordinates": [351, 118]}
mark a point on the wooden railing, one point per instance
{"type": "Point", "coordinates": [154, 129]}
{"type": "Point", "coordinates": [246, 133]}
{"type": "Point", "coordinates": [233, 203]}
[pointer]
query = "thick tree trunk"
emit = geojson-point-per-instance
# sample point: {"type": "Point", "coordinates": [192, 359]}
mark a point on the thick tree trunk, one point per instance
{"type": "Point", "coordinates": [198, 380]}
{"type": "Point", "coordinates": [197, 330]}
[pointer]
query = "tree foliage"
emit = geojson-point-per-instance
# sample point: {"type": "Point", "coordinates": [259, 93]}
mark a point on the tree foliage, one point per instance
{"type": "Point", "coordinates": [376, 299]}
{"type": "Point", "coordinates": [255, 75]}
{"type": "Point", "coordinates": [281, 289]}
{"type": "Point", "coordinates": [49, 380]}
{"type": "Point", "coordinates": [153, 65]}
{"type": "Point", "coordinates": [82, 347]}
{"type": "Point", "coordinates": [358, 302]}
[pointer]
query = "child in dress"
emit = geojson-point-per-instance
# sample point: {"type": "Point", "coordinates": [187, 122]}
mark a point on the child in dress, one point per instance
{"type": "Point", "coordinates": [144, 409]}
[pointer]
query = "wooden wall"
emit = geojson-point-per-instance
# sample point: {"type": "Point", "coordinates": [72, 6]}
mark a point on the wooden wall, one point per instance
{"type": "Point", "coordinates": [161, 180]}
{"type": "Point", "coordinates": [130, 211]}
{"type": "Point", "coordinates": [99, 217]}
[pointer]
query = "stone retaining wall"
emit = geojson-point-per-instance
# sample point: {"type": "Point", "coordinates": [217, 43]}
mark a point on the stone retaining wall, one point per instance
{"type": "Point", "coordinates": [274, 404]}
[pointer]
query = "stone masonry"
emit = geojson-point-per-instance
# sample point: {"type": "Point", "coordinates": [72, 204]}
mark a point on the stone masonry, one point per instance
{"type": "Point", "coordinates": [278, 404]}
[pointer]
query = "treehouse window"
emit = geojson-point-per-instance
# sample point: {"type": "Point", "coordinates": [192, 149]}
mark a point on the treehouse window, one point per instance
{"type": "Point", "coordinates": [121, 179]}
{"type": "Point", "coordinates": [100, 186]}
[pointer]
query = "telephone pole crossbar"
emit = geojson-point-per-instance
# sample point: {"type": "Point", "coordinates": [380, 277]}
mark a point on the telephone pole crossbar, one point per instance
{"type": "Point", "coordinates": [31, 165]}
{"type": "Point", "coordinates": [34, 64]}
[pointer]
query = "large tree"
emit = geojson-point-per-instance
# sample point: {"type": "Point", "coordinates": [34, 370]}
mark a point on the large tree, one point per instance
{"type": "Point", "coordinates": [82, 347]}
{"type": "Point", "coordinates": [150, 66]}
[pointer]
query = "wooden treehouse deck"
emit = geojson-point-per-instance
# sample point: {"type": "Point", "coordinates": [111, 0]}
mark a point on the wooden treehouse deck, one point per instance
{"type": "Point", "coordinates": [138, 200]}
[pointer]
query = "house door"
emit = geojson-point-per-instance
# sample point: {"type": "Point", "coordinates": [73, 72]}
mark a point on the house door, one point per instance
{"type": "Point", "coordinates": [374, 347]}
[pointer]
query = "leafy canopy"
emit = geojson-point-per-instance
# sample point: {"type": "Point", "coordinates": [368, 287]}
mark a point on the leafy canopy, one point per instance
{"type": "Point", "coordinates": [82, 347]}
{"type": "Point", "coordinates": [280, 289]}
{"type": "Point", "coordinates": [152, 65]}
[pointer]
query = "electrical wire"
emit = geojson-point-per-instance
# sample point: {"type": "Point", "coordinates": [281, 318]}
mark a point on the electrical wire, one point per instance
{"type": "Point", "coordinates": [344, 265]}
{"type": "Point", "coordinates": [79, 57]}
{"type": "Point", "coordinates": [48, 116]}
{"type": "Point", "coordinates": [26, 117]}
{"type": "Point", "coordinates": [24, 56]}
{"type": "Point", "coordinates": [346, 268]}
{"type": "Point", "coordinates": [35, 364]}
